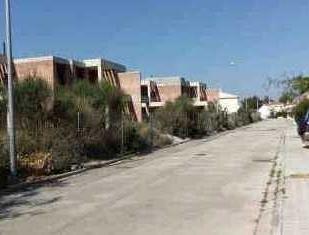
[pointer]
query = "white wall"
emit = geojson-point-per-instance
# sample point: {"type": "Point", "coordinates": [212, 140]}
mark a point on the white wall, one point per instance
{"type": "Point", "coordinates": [230, 104]}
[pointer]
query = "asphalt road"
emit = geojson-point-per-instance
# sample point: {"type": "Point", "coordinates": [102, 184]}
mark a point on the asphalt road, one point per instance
{"type": "Point", "coordinates": [209, 186]}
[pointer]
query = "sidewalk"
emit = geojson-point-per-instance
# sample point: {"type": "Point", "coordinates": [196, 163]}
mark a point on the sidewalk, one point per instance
{"type": "Point", "coordinates": [295, 208]}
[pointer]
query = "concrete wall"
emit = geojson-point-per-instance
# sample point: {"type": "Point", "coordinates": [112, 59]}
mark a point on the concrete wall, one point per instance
{"type": "Point", "coordinates": [130, 83]}
{"type": "Point", "coordinates": [43, 68]}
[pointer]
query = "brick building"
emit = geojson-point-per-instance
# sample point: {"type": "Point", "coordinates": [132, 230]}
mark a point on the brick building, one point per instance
{"type": "Point", "coordinates": [156, 91]}
{"type": "Point", "coordinates": [60, 71]}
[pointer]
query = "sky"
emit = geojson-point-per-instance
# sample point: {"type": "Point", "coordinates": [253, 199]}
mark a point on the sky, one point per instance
{"type": "Point", "coordinates": [234, 45]}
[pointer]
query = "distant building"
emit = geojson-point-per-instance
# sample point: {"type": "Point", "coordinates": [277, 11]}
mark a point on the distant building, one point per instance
{"type": "Point", "coordinates": [226, 101]}
{"type": "Point", "coordinates": [265, 111]}
{"type": "Point", "coordinates": [229, 102]}
{"type": "Point", "coordinates": [156, 91]}
{"type": "Point", "coordinates": [270, 110]}
{"type": "Point", "coordinates": [213, 95]}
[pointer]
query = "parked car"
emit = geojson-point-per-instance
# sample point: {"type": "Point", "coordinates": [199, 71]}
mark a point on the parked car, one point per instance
{"type": "Point", "coordinates": [303, 128]}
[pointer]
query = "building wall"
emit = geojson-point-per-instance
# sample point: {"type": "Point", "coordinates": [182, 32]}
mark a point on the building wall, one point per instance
{"type": "Point", "coordinates": [230, 104]}
{"type": "Point", "coordinates": [43, 69]}
{"type": "Point", "coordinates": [212, 95]}
{"type": "Point", "coordinates": [130, 83]}
{"type": "Point", "coordinates": [169, 92]}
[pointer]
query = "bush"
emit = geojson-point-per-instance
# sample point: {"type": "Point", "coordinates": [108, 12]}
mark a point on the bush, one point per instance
{"type": "Point", "coordinates": [61, 143]}
{"type": "Point", "coordinates": [4, 161]}
{"type": "Point", "coordinates": [33, 100]}
{"type": "Point", "coordinates": [65, 148]}
{"type": "Point", "coordinates": [301, 109]}
{"type": "Point", "coordinates": [283, 114]}
{"type": "Point", "coordinates": [182, 119]}
{"type": "Point", "coordinates": [177, 118]}
{"type": "Point", "coordinates": [150, 137]}
{"type": "Point", "coordinates": [100, 143]}
{"type": "Point", "coordinates": [255, 117]}
{"type": "Point", "coordinates": [231, 121]}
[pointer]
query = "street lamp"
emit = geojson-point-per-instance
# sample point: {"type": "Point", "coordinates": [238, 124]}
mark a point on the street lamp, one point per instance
{"type": "Point", "coordinates": [10, 106]}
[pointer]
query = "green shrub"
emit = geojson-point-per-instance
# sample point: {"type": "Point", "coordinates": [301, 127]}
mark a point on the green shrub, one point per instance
{"type": "Point", "coordinates": [301, 109]}
{"type": "Point", "coordinates": [150, 137]}
{"type": "Point", "coordinates": [33, 99]}
{"type": "Point", "coordinates": [231, 121]}
{"type": "Point", "coordinates": [255, 117]}
{"type": "Point", "coordinates": [4, 161]}
{"type": "Point", "coordinates": [177, 118]}
{"type": "Point", "coordinates": [65, 148]}
{"type": "Point", "coordinates": [3, 100]}
{"type": "Point", "coordinates": [283, 114]}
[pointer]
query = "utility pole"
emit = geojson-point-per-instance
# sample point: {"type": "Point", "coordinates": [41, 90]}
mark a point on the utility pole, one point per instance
{"type": "Point", "coordinates": [3, 48]}
{"type": "Point", "coordinates": [246, 104]}
{"type": "Point", "coordinates": [10, 108]}
{"type": "Point", "coordinates": [257, 103]}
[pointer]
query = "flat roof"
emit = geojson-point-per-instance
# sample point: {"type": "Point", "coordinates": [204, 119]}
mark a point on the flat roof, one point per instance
{"type": "Point", "coordinates": [224, 95]}
{"type": "Point", "coordinates": [41, 58]}
{"type": "Point", "coordinates": [171, 80]}
{"type": "Point", "coordinates": [87, 63]}
{"type": "Point", "coordinates": [105, 63]}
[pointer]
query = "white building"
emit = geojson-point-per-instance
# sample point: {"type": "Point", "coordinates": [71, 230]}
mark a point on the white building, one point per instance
{"type": "Point", "coordinates": [229, 102]}
{"type": "Point", "coordinates": [265, 111]}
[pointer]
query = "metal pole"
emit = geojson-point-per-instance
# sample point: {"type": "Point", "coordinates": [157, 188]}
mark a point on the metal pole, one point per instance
{"type": "Point", "coordinates": [257, 104]}
{"type": "Point", "coordinates": [122, 134]}
{"type": "Point", "coordinates": [10, 108]}
{"type": "Point", "coordinates": [246, 104]}
{"type": "Point", "coordinates": [151, 131]}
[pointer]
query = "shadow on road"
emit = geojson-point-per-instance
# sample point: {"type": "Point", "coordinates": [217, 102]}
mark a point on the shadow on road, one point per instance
{"type": "Point", "coordinates": [20, 202]}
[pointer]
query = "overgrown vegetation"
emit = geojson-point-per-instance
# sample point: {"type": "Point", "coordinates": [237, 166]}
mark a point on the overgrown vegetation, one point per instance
{"type": "Point", "coordinates": [65, 127]}
{"type": "Point", "coordinates": [58, 129]}
{"type": "Point", "coordinates": [182, 119]}
{"type": "Point", "coordinates": [301, 109]}
{"type": "Point", "coordinates": [293, 87]}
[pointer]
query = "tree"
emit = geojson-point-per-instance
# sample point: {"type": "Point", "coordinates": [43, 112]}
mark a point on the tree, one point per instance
{"type": "Point", "coordinates": [176, 117]}
{"type": "Point", "coordinates": [252, 103]}
{"type": "Point", "coordinates": [33, 100]}
{"type": "Point", "coordinates": [301, 109]}
{"type": "Point", "coordinates": [298, 84]}
{"type": "Point", "coordinates": [287, 97]}
{"type": "Point", "coordinates": [291, 87]}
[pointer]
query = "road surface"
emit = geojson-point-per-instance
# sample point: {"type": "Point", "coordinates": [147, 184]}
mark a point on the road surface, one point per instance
{"type": "Point", "coordinates": [209, 186]}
